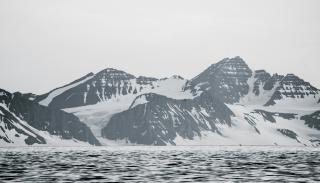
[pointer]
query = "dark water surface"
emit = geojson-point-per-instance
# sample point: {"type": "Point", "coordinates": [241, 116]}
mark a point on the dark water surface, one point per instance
{"type": "Point", "coordinates": [160, 164]}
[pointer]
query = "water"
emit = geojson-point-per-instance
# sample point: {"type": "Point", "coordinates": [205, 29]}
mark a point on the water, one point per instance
{"type": "Point", "coordinates": [160, 164]}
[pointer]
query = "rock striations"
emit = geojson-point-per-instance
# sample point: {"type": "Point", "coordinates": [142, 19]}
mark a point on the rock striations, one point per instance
{"type": "Point", "coordinates": [226, 80]}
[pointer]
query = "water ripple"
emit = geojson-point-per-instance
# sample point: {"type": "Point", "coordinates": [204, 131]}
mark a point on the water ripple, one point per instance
{"type": "Point", "coordinates": [160, 164]}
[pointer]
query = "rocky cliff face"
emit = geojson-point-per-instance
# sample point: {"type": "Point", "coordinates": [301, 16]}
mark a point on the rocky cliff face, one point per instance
{"type": "Point", "coordinates": [292, 87]}
{"type": "Point", "coordinates": [157, 120]}
{"type": "Point", "coordinates": [226, 80]}
{"type": "Point", "coordinates": [23, 118]}
{"type": "Point", "coordinates": [232, 81]}
{"type": "Point", "coordinates": [260, 79]}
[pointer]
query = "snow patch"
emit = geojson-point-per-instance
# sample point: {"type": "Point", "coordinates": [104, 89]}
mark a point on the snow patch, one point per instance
{"type": "Point", "coordinates": [59, 91]}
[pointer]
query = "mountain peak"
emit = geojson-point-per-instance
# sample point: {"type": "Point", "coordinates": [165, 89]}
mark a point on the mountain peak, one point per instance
{"type": "Point", "coordinates": [230, 66]}
{"type": "Point", "coordinates": [226, 79]}
{"type": "Point", "coordinates": [115, 74]}
{"type": "Point", "coordinates": [111, 70]}
{"type": "Point", "coordinates": [236, 59]}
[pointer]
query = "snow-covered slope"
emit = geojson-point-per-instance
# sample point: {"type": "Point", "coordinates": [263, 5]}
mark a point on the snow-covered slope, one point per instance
{"type": "Point", "coordinates": [24, 122]}
{"type": "Point", "coordinates": [248, 94]}
{"type": "Point", "coordinates": [96, 116]}
{"type": "Point", "coordinates": [95, 98]}
{"type": "Point", "coordinates": [204, 120]}
{"type": "Point", "coordinates": [280, 127]}
{"type": "Point", "coordinates": [264, 108]}
{"type": "Point", "coordinates": [56, 92]}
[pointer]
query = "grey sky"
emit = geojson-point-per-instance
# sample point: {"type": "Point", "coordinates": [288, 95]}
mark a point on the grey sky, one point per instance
{"type": "Point", "coordinates": [45, 44]}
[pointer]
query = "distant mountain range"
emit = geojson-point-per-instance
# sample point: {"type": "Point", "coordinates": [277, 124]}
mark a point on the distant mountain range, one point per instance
{"type": "Point", "coordinates": [227, 104]}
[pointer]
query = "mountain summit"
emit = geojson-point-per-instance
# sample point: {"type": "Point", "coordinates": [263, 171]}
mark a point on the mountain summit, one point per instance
{"type": "Point", "coordinates": [226, 80]}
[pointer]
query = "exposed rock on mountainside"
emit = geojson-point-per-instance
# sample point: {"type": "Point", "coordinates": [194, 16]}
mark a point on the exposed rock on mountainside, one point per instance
{"type": "Point", "coordinates": [261, 77]}
{"type": "Point", "coordinates": [157, 120]}
{"type": "Point", "coordinates": [312, 120]}
{"type": "Point", "coordinates": [270, 116]}
{"type": "Point", "coordinates": [30, 123]}
{"type": "Point", "coordinates": [232, 81]}
{"type": "Point", "coordinates": [291, 86]}
{"type": "Point", "coordinates": [289, 134]}
{"type": "Point", "coordinates": [226, 80]}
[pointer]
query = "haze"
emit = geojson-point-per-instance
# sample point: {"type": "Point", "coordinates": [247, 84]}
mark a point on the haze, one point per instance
{"type": "Point", "coordinates": [46, 44]}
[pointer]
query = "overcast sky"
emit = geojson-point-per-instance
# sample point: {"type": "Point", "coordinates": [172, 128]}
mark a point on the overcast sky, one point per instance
{"type": "Point", "coordinates": [45, 44]}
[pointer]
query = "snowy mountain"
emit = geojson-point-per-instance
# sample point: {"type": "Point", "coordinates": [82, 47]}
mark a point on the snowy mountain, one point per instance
{"type": "Point", "coordinates": [154, 119]}
{"type": "Point", "coordinates": [24, 122]}
{"type": "Point", "coordinates": [94, 98]}
{"type": "Point", "coordinates": [106, 85]}
{"type": "Point", "coordinates": [226, 104]}
{"type": "Point", "coordinates": [227, 80]}
{"type": "Point", "coordinates": [232, 81]}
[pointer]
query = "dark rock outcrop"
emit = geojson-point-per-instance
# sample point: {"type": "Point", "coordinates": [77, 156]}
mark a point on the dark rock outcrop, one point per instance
{"type": "Point", "coordinates": [312, 120]}
{"type": "Point", "coordinates": [261, 77]}
{"type": "Point", "coordinates": [270, 116]}
{"type": "Point", "coordinates": [56, 122]}
{"type": "Point", "coordinates": [289, 133]}
{"type": "Point", "coordinates": [271, 83]}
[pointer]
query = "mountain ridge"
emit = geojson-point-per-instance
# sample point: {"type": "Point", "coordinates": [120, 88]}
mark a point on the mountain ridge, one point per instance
{"type": "Point", "coordinates": [265, 108]}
